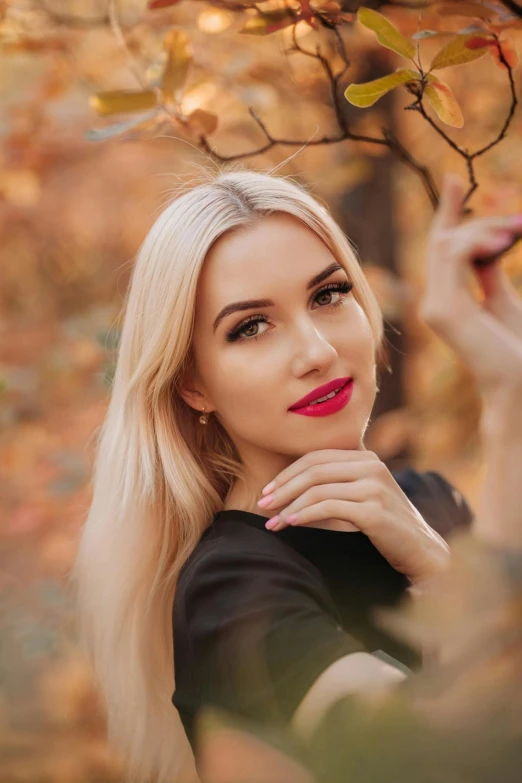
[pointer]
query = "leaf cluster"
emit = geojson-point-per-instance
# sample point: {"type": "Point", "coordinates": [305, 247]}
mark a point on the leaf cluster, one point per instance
{"type": "Point", "coordinates": [160, 104]}
{"type": "Point", "coordinates": [463, 47]}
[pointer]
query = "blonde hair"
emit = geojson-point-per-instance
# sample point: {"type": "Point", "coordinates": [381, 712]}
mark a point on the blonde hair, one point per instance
{"type": "Point", "coordinates": [159, 476]}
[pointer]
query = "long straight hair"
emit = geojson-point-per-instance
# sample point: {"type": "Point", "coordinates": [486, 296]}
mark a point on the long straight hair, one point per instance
{"type": "Point", "coordinates": [159, 476]}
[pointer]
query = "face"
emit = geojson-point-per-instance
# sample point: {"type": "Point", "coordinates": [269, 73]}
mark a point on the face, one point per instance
{"type": "Point", "coordinates": [257, 362]}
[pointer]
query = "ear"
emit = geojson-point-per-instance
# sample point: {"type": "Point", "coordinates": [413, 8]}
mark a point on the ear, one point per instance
{"type": "Point", "coordinates": [187, 389]}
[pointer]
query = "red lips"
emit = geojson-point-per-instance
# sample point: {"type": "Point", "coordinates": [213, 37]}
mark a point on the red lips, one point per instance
{"type": "Point", "coordinates": [321, 391]}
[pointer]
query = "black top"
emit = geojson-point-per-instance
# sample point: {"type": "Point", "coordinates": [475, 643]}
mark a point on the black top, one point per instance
{"type": "Point", "coordinates": [259, 615]}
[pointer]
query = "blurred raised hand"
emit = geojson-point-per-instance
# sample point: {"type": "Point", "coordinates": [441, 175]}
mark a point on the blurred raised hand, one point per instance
{"type": "Point", "coordinates": [486, 335]}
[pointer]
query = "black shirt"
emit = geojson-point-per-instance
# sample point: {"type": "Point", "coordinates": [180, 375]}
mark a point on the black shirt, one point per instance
{"type": "Point", "coordinates": [259, 615]}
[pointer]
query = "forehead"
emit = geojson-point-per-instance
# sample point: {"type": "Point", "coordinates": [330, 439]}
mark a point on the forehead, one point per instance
{"type": "Point", "coordinates": [245, 263]}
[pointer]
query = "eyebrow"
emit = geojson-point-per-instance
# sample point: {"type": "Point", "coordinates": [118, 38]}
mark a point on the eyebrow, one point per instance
{"type": "Point", "coordinates": [251, 303]}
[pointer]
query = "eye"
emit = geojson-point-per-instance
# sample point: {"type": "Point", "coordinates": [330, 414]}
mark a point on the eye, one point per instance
{"type": "Point", "coordinates": [239, 332]}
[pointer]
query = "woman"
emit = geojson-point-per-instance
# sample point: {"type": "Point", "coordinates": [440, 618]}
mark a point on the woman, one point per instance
{"type": "Point", "coordinates": [202, 416]}
{"type": "Point", "coordinates": [459, 719]}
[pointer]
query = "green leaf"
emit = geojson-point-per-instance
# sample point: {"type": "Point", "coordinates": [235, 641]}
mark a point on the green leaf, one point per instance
{"type": "Point", "coordinates": [119, 101]}
{"type": "Point", "coordinates": [368, 93]}
{"type": "Point", "coordinates": [387, 34]}
{"type": "Point", "coordinates": [456, 53]}
{"type": "Point", "coordinates": [264, 24]}
{"type": "Point", "coordinates": [443, 101]}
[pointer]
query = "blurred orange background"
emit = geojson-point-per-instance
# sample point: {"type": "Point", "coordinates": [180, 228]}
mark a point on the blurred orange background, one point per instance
{"type": "Point", "coordinates": [73, 213]}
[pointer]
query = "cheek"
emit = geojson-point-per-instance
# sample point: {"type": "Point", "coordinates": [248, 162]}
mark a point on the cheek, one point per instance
{"type": "Point", "coordinates": [358, 345]}
{"type": "Point", "coordinates": [244, 389]}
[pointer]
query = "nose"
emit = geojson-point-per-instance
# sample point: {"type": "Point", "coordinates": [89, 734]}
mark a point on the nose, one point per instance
{"type": "Point", "coordinates": [313, 349]}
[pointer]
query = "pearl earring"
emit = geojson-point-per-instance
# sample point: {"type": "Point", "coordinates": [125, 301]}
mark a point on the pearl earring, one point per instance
{"type": "Point", "coordinates": [204, 418]}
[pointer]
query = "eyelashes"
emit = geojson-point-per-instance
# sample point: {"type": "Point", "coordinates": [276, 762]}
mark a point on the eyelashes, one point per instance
{"type": "Point", "coordinates": [236, 333]}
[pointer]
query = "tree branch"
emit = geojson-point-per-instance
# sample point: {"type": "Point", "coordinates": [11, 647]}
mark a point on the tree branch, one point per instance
{"type": "Point", "coordinates": [345, 134]}
{"type": "Point", "coordinates": [469, 157]}
{"type": "Point", "coordinates": [387, 139]}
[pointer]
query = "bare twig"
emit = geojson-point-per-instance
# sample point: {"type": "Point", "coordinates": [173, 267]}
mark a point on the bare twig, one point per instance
{"type": "Point", "coordinates": [345, 134]}
{"type": "Point", "coordinates": [469, 157]}
{"type": "Point", "coordinates": [514, 102]}
{"type": "Point", "coordinates": [387, 139]}
{"type": "Point", "coordinates": [406, 157]}
{"type": "Point", "coordinates": [133, 64]}
{"type": "Point", "coordinates": [112, 11]}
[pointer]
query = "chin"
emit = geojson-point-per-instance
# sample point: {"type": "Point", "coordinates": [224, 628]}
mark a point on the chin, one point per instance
{"type": "Point", "coordinates": [346, 440]}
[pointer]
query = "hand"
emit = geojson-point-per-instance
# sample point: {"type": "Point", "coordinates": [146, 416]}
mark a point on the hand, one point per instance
{"type": "Point", "coordinates": [500, 297]}
{"type": "Point", "coordinates": [357, 488]}
{"type": "Point", "coordinates": [488, 335]}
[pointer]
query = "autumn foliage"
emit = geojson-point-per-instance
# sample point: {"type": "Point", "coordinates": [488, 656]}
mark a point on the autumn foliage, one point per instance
{"type": "Point", "coordinates": [106, 106]}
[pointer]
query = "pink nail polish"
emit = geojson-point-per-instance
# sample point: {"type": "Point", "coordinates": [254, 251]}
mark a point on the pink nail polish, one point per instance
{"type": "Point", "coordinates": [265, 501]}
{"type": "Point", "coordinates": [272, 523]}
{"type": "Point", "coordinates": [268, 488]}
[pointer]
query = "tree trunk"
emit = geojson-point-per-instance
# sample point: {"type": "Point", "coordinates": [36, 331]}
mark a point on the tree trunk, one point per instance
{"type": "Point", "coordinates": [366, 215]}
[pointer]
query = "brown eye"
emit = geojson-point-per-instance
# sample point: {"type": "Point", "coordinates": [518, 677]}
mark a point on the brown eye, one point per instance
{"type": "Point", "coordinates": [239, 333]}
{"type": "Point", "coordinates": [326, 293]}
{"type": "Point", "coordinates": [250, 326]}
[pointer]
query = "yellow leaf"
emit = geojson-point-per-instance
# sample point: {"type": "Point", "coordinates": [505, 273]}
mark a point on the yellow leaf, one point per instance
{"type": "Point", "coordinates": [387, 34]}
{"type": "Point", "coordinates": [368, 93]}
{"type": "Point", "coordinates": [202, 122]}
{"type": "Point", "coordinates": [456, 53]}
{"type": "Point", "coordinates": [264, 24]}
{"type": "Point", "coordinates": [442, 100]}
{"type": "Point", "coordinates": [179, 56]}
{"type": "Point", "coordinates": [118, 101]}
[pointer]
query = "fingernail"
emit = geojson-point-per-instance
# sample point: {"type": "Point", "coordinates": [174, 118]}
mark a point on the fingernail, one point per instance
{"type": "Point", "coordinates": [272, 523]}
{"type": "Point", "coordinates": [516, 221]}
{"type": "Point", "coordinates": [265, 501]}
{"type": "Point", "coordinates": [268, 488]}
{"type": "Point", "coordinates": [291, 519]}
{"type": "Point", "coordinates": [499, 243]}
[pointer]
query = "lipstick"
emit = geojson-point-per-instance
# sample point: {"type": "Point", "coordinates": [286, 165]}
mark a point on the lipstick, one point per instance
{"type": "Point", "coordinates": [330, 406]}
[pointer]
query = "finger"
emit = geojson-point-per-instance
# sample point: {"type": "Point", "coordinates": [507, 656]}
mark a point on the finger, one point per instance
{"type": "Point", "coordinates": [509, 223]}
{"type": "Point", "coordinates": [452, 194]}
{"type": "Point", "coordinates": [447, 280]}
{"type": "Point", "coordinates": [480, 239]}
{"type": "Point", "coordinates": [501, 299]}
{"type": "Point", "coordinates": [503, 247]}
{"type": "Point", "coordinates": [360, 514]}
{"type": "Point", "coordinates": [485, 344]}
{"type": "Point", "coordinates": [314, 458]}
{"type": "Point", "coordinates": [447, 289]}
{"type": "Point", "coordinates": [357, 491]}
{"type": "Point", "coordinates": [324, 473]}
